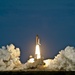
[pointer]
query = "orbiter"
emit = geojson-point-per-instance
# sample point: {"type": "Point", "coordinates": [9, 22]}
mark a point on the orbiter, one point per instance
{"type": "Point", "coordinates": [37, 40]}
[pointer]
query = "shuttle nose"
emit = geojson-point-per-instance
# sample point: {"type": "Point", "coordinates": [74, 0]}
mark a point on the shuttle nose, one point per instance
{"type": "Point", "coordinates": [37, 40]}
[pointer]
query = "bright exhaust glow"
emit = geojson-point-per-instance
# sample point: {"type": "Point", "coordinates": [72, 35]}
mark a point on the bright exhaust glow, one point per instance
{"type": "Point", "coordinates": [31, 60]}
{"type": "Point", "coordinates": [37, 52]}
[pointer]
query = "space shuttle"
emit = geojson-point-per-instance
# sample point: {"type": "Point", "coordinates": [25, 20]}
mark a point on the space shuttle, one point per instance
{"type": "Point", "coordinates": [37, 40]}
{"type": "Point", "coordinates": [38, 58]}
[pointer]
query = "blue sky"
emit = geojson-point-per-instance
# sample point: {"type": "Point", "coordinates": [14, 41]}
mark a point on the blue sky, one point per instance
{"type": "Point", "coordinates": [52, 20]}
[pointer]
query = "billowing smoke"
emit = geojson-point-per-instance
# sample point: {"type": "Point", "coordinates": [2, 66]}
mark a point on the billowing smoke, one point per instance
{"type": "Point", "coordinates": [9, 58]}
{"type": "Point", "coordinates": [65, 60]}
{"type": "Point", "coordinates": [10, 61]}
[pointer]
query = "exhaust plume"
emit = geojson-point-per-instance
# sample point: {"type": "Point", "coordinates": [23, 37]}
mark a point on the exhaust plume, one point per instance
{"type": "Point", "coordinates": [37, 52]}
{"type": "Point", "coordinates": [9, 60]}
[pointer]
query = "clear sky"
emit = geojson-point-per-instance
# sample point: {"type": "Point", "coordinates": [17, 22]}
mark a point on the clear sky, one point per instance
{"type": "Point", "coordinates": [52, 20]}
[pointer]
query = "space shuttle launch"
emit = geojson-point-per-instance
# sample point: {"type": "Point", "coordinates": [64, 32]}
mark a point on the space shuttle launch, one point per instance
{"type": "Point", "coordinates": [38, 59]}
{"type": "Point", "coordinates": [37, 48]}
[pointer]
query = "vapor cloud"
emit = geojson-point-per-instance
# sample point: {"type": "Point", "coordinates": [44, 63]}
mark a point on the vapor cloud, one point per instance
{"type": "Point", "coordinates": [65, 60]}
{"type": "Point", "coordinates": [9, 60]}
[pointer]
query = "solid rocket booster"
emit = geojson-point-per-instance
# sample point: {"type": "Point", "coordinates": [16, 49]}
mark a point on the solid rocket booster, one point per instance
{"type": "Point", "coordinates": [37, 40]}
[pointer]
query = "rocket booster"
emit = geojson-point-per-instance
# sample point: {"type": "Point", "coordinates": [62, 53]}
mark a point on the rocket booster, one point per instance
{"type": "Point", "coordinates": [37, 40]}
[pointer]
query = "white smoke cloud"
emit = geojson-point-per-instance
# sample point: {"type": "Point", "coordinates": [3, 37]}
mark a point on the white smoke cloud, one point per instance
{"type": "Point", "coordinates": [9, 60]}
{"type": "Point", "coordinates": [65, 60]}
